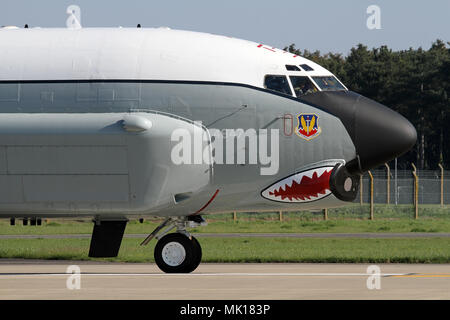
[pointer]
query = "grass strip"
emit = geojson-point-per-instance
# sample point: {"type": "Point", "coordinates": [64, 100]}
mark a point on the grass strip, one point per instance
{"type": "Point", "coordinates": [424, 250]}
{"type": "Point", "coordinates": [257, 225]}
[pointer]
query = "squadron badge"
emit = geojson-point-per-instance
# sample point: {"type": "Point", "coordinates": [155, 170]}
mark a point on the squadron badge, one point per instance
{"type": "Point", "coordinates": [308, 126]}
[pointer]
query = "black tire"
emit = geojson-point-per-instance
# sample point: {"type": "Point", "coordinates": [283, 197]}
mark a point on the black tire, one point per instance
{"type": "Point", "coordinates": [168, 264]}
{"type": "Point", "coordinates": [198, 254]}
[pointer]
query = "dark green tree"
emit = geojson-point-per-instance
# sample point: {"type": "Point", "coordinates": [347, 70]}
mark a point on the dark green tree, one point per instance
{"type": "Point", "coordinates": [414, 82]}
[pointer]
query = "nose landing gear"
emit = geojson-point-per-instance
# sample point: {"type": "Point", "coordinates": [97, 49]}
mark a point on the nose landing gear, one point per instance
{"type": "Point", "coordinates": [343, 184]}
{"type": "Point", "coordinates": [177, 252]}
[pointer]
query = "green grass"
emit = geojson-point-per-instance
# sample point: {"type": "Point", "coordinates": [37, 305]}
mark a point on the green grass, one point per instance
{"type": "Point", "coordinates": [266, 223]}
{"type": "Point", "coordinates": [424, 250]}
{"type": "Point", "coordinates": [330, 226]}
{"type": "Point", "coordinates": [352, 219]}
{"type": "Point", "coordinates": [382, 211]}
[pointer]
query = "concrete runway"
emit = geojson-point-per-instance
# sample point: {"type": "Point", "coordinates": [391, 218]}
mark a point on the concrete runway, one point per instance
{"type": "Point", "coordinates": [35, 279]}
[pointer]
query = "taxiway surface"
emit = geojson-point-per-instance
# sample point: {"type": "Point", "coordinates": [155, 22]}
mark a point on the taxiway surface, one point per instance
{"type": "Point", "coordinates": [36, 279]}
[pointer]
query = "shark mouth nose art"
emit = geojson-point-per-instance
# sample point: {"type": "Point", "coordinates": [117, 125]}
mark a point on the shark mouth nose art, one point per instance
{"type": "Point", "coordinates": [306, 186]}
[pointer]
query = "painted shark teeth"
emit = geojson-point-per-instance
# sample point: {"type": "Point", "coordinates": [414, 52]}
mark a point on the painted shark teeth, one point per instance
{"type": "Point", "coordinates": [306, 186]}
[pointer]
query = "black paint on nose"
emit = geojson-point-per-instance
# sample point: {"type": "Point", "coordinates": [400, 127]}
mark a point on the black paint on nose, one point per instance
{"type": "Point", "coordinates": [378, 133]}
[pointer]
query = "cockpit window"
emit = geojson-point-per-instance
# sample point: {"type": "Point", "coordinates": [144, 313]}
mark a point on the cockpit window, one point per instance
{"type": "Point", "coordinates": [328, 83]}
{"type": "Point", "coordinates": [290, 67]}
{"type": "Point", "coordinates": [277, 83]}
{"type": "Point", "coordinates": [306, 67]}
{"type": "Point", "coordinates": [302, 85]}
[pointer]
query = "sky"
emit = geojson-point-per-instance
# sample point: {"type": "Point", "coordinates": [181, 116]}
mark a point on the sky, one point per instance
{"type": "Point", "coordinates": [325, 25]}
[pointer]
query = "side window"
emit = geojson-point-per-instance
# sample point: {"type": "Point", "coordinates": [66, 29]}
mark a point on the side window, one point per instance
{"type": "Point", "coordinates": [277, 83]}
{"type": "Point", "coordinates": [328, 83]}
{"type": "Point", "coordinates": [302, 85]}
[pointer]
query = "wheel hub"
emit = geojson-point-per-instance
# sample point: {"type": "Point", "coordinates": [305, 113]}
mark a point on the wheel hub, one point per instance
{"type": "Point", "coordinates": [173, 254]}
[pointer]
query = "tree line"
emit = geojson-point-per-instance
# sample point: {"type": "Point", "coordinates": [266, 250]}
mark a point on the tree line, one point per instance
{"type": "Point", "coordinates": [414, 82]}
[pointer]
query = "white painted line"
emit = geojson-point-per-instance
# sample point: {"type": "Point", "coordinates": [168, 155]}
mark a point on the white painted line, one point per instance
{"type": "Point", "coordinates": [207, 274]}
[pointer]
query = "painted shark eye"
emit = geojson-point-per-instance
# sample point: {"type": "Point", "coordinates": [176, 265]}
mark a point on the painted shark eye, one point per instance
{"type": "Point", "coordinates": [305, 186]}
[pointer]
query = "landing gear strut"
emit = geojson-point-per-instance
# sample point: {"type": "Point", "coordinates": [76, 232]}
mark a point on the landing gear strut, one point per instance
{"type": "Point", "coordinates": [177, 252]}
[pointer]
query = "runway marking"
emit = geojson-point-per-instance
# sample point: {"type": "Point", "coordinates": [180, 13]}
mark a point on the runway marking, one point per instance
{"type": "Point", "coordinates": [425, 275]}
{"type": "Point", "coordinates": [210, 274]}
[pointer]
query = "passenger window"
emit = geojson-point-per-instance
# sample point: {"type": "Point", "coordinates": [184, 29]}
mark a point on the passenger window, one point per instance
{"type": "Point", "coordinates": [302, 85]}
{"type": "Point", "coordinates": [277, 83]}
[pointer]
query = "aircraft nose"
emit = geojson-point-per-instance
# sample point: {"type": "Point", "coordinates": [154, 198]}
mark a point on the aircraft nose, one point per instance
{"type": "Point", "coordinates": [378, 133]}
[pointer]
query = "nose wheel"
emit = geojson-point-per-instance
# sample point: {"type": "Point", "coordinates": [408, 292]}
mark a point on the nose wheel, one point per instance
{"type": "Point", "coordinates": [176, 253]}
